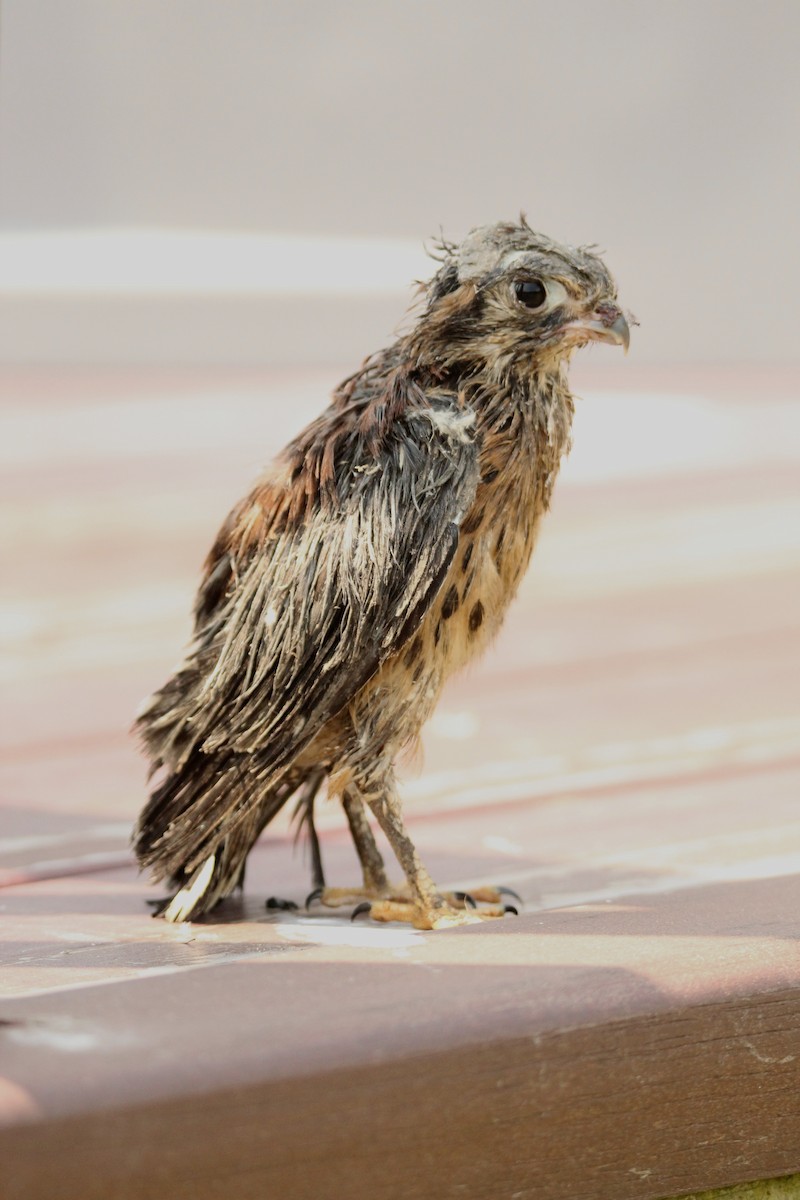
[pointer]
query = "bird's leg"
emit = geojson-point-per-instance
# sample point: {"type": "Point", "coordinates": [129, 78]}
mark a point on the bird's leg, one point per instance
{"type": "Point", "coordinates": [425, 907]}
{"type": "Point", "coordinates": [304, 816]}
{"type": "Point", "coordinates": [417, 901]}
{"type": "Point", "coordinates": [369, 855]}
{"type": "Point", "coordinates": [376, 885]}
{"type": "Point", "coordinates": [305, 807]}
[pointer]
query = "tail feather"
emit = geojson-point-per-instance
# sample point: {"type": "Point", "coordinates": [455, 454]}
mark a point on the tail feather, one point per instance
{"type": "Point", "coordinates": [200, 824]}
{"type": "Point", "coordinates": [161, 723]}
{"type": "Point", "coordinates": [184, 903]}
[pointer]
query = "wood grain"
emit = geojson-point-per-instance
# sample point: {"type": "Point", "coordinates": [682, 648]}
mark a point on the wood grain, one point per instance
{"type": "Point", "coordinates": [626, 757]}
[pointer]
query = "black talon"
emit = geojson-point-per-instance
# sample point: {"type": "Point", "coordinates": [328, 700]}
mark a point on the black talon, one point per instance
{"type": "Point", "coordinates": [507, 891]}
{"type": "Point", "coordinates": [312, 896]}
{"type": "Point", "coordinates": [158, 906]}
{"type": "Point", "coordinates": [465, 898]}
{"type": "Point", "coordinates": [281, 905]}
{"type": "Point", "coordinates": [509, 909]}
{"type": "Point", "coordinates": [363, 907]}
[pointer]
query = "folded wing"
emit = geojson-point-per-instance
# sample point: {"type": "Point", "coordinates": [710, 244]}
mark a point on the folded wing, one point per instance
{"type": "Point", "coordinates": [294, 621]}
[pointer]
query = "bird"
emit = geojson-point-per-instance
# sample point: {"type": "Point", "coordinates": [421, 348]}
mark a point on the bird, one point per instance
{"type": "Point", "coordinates": [374, 558]}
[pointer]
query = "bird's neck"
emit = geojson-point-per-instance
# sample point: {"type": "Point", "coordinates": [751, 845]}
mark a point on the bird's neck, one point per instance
{"type": "Point", "coordinates": [524, 423]}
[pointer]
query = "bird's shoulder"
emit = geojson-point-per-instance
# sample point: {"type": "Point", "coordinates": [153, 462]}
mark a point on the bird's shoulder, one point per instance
{"type": "Point", "coordinates": [386, 438]}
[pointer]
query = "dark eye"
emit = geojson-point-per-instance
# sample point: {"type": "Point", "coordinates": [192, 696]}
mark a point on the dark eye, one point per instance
{"type": "Point", "coordinates": [531, 292]}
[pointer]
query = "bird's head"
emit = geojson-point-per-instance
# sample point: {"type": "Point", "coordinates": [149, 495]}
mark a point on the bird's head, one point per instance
{"type": "Point", "coordinates": [508, 298]}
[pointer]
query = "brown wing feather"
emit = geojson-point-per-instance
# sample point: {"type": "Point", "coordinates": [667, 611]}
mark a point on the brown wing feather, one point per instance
{"type": "Point", "coordinates": [301, 602]}
{"type": "Point", "coordinates": [317, 609]}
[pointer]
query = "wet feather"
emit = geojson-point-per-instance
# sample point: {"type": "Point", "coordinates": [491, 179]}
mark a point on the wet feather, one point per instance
{"type": "Point", "coordinates": [440, 450]}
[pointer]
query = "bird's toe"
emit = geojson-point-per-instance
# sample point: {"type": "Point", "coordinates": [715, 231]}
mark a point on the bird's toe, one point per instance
{"type": "Point", "coordinates": [364, 907]}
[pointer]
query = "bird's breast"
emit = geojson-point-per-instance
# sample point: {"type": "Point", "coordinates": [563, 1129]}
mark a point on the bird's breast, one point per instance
{"type": "Point", "coordinates": [519, 463]}
{"type": "Point", "coordinates": [494, 549]}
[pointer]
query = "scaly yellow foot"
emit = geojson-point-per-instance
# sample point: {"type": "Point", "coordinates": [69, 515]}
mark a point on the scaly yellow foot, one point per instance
{"type": "Point", "coordinates": [331, 897]}
{"type": "Point", "coordinates": [440, 916]}
{"type": "Point", "coordinates": [395, 903]}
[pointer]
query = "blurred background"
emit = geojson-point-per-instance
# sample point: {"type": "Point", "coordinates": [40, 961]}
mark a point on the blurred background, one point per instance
{"type": "Point", "coordinates": [252, 182]}
{"type": "Point", "coordinates": [210, 212]}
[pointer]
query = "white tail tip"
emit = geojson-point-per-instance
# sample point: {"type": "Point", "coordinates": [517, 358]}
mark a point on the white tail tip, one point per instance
{"type": "Point", "coordinates": [183, 902]}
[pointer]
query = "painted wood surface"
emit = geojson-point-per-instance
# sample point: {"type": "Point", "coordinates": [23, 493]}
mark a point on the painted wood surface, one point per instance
{"type": "Point", "coordinates": [626, 757]}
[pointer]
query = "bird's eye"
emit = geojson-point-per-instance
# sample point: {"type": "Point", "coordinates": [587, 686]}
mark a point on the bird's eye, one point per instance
{"type": "Point", "coordinates": [530, 292]}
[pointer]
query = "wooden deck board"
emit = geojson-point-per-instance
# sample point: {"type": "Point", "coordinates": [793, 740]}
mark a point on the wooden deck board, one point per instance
{"type": "Point", "coordinates": [627, 757]}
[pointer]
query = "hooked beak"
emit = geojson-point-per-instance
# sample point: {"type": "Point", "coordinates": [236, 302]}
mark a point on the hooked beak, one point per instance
{"type": "Point", "coordinates": [606, 323]}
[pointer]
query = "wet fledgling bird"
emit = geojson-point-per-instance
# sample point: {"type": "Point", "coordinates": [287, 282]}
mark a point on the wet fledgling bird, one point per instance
{"type": "Point", "coordinates": [377, 556]}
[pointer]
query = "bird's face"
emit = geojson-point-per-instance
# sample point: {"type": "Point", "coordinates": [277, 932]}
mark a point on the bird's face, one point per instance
{"type": "Point", "coordinates": [512, 298]}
